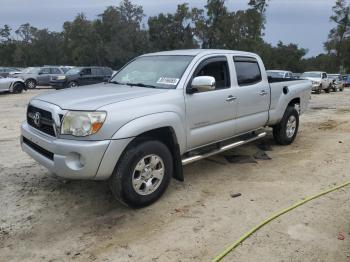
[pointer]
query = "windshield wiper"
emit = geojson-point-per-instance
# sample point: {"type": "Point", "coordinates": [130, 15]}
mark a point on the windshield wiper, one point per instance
{"type": "Point", "coordinates": [140, 85]}
{"type": "Point", "coordinates": [117, 83]}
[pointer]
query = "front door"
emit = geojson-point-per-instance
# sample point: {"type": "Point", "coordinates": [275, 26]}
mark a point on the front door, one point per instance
{"type": "Point", "coordinates": [210, 115]}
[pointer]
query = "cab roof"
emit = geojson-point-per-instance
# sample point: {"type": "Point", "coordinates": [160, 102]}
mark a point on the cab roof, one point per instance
{"type": "Point", "coordinates": [196, 52]}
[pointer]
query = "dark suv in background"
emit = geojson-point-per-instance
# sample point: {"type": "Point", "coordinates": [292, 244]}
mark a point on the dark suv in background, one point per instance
{"type": "Point", "coordinates": [80, 76]}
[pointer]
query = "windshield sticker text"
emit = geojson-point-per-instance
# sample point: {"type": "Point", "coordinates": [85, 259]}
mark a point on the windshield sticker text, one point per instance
{"type": "Point", "coordinates": [168, 81]}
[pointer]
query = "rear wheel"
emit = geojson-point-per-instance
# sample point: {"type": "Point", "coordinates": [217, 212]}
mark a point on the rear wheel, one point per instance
{"type": "Point", "coordinates": [142, 174]}
{"type": "Point", "coordinates": [286, 131]}
{"type": "Point", "coordinates": [30, 84]}
{"type": "Point", "coordinates": [72, 84]}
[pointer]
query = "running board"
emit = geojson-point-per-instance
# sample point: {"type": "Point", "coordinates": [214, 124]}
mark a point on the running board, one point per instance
{"type": "Point", "coordinates": [195, 158]}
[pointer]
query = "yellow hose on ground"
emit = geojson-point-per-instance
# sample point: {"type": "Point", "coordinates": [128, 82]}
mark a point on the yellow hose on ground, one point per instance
{"type": "Point", "coordinates": [249, 233]}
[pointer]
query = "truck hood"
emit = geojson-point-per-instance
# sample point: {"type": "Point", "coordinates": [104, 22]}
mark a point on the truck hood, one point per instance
{"type": "Point", "coordinates": [95, 96]}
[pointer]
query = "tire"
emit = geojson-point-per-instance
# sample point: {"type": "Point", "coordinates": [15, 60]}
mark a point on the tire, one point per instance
{"type": "Point", "coordinates": [72, 84]}
{"type": "Point", "coordinates": [30, 84]}
{"type": "Point", "coordinates": [282, 132]}
{"type": "Point", "coordinates": [328, 89]}
{"type": "Point", "coordinates": [319, 90]}
{"type": "Point", "coordinates": [17, 88]}
{"type": "Point", "coordinates": [134, 170]}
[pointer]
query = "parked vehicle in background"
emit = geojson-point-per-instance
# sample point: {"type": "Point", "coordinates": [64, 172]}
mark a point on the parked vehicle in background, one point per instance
{"type": "Point", "coordinates": [337, 82]}
{"type": "Point", "coordinates": [320, 81]}
{"type": "Point", "coordinates": [65, 69]}
{"type": "Point", "coordinates": [297, 75]}
{"type": "Point", "coordinates": [16, 72]}
{"type": "Point", "coordinates": [280, 74]}
{"type": "Point", "coordinates": [80, 76]}
{"type": "Point", "coordinates": [12, 85]}
{"type": "Point", "coordinates": [159, 112]}
{"type": "Point", "coordinates": [39, 76]}
{"type": "Point", "coordinates": [346, 80]}
{"type": "Point", "coordinates": [5, 71]}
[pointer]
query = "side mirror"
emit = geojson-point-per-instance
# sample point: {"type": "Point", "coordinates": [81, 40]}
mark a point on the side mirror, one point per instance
{"type": "Point", "coordinates": [202, 84]}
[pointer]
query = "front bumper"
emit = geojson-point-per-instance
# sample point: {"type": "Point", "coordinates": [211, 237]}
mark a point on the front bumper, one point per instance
{"type": "Point", "coordinates": [72, 159]}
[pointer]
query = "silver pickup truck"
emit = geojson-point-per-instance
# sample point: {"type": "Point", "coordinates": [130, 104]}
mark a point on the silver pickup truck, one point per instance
{"type": "Point", "coordinates": [159, 112]}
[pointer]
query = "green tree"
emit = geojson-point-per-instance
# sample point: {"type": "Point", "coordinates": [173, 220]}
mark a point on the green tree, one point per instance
{"type": "Point", "coordinates": [172, 31]}
{"type": "Point", "coordinates": [121, 33]}
{"type": "Point", "coordinates": [340, 33]}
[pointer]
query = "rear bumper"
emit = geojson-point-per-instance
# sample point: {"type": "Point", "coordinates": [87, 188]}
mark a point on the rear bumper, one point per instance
{"type": "Point", "coordinates": [72, 159]}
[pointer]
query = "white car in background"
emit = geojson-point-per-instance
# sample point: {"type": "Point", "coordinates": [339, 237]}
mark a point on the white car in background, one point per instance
{"type": "Point", "coordinates": [12, 85]}
{"type": "Point", "coordinates": [320, 81]}
{"type": "Point", "coordinates": [280, 74]}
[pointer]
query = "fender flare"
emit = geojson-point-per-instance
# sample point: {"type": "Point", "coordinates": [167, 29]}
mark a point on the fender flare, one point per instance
{"type": "Point", "coordinates": [150, 122]}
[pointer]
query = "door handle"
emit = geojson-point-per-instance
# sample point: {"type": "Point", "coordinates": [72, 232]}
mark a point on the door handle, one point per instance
{"type": "Point", "coordinates": [230, 98]}
{"type": "Point", "coordinates": [263, 93]}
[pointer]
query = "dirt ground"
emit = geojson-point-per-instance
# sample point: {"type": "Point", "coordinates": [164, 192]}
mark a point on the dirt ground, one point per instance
{"type": "Point", "coordinates": [43, 218]}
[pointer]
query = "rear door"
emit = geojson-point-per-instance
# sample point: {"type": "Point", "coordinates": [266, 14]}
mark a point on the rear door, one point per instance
{"type": "Point", "coordinates": [86, 77]}
{"type": "Point", "coordinates": [253, 94]}
{"type": "Point", "coordinates": [97, 75]}
{"type": "Point", "coordinates": [210, 115]}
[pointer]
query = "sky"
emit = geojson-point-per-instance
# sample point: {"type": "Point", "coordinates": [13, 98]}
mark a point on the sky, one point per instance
{"type": "Point", "coordinates": [304, 22]}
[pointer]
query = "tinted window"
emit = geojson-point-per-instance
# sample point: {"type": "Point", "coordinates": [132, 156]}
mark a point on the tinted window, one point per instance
{"type": "Point", "coordinates": [97, 71]}
{"type": "Point", "coordinates": [55, 71]}
{"type": "Point", "coordinates": [218, 70]}
{"type": "Point", "coordinates": [247, 70]}
{"type": "Point", "coordinates": [45, 71]}
{"type": "Point", "coordinates": [86, 71]}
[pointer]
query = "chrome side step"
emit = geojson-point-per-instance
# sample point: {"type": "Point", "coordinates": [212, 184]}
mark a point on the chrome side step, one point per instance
{"type": "Point", "coordinates": [192, 159]}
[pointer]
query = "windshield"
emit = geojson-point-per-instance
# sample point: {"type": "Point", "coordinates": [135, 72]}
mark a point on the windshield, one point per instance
{"type": "Point", "coordinates": [312, 75]}
{"type": "Point", "coordinates": [275, 74]}
{"type": "Point", "coordinates": [154, 71]}
{"type": "Point", "coordinates": [73, 71]}
{"type": "Point", "coordinates": [31, 70]}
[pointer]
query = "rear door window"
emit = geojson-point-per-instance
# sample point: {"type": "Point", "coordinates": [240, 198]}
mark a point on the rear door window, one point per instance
{"type": "Point", "coordinates": [86, 71]}
{"type": "Point", "coordinates": [247, 70]}
{"type": "Point", "coordinates": [55, 71]}
{"type": "Point", "coordinates": [97, 71]}
{"type": "Point", "coordinates": [45, 71]}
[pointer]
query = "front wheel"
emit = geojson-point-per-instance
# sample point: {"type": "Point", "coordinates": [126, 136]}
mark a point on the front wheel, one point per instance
{"type": "Point", "coordinates": [18, 88]}
{"type": "Point", "coordinates": [285, 132]}
{"type": "Point", "coordinates": [328, 89]}
{"type": "Point", "coordinates": [142, 174]}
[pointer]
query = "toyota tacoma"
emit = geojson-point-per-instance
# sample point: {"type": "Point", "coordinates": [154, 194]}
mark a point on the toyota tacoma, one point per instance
{"type": "Point", "coordinates": [159, 112]}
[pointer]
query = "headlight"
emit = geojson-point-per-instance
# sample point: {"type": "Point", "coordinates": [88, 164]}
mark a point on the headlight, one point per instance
{"type": "Point", "coordinates": [81, 123]}
{"type": "Point", "coordinates": [61, 77]}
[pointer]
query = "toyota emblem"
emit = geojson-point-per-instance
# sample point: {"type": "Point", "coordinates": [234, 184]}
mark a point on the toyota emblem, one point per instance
{"type": "Point", "coordinates": [37, 119]}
